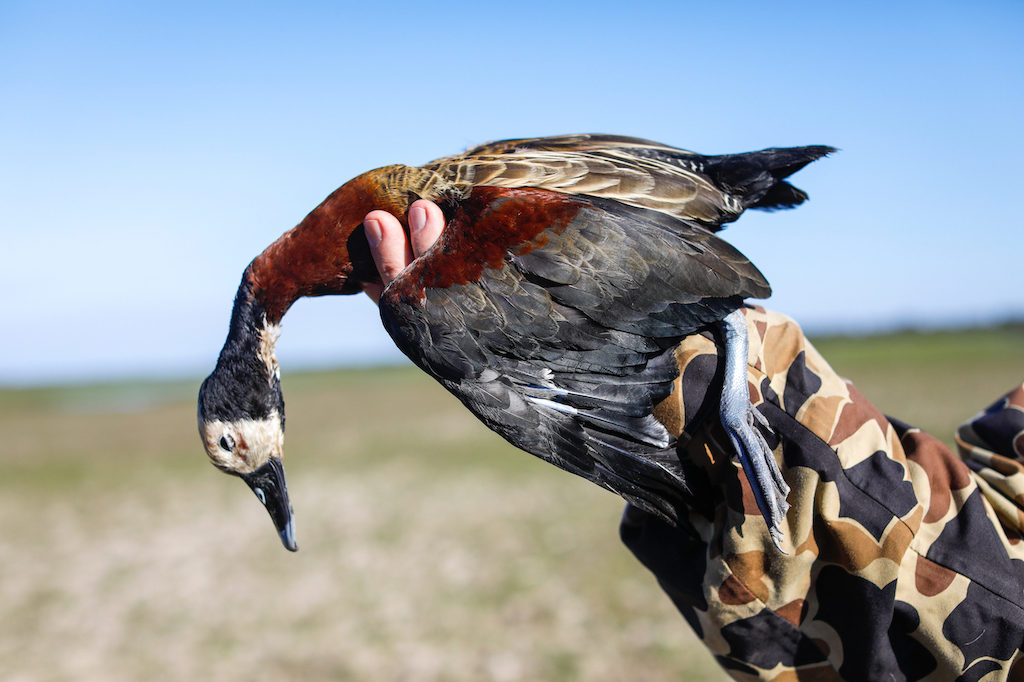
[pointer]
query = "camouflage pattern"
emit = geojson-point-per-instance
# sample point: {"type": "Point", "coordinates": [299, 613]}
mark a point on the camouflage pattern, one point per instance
{"type": "Point", "coordinates": [905, 560]}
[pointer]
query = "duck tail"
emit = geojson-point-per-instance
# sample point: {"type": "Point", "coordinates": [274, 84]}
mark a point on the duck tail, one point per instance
{"type": "Point", "coordinates": [758, 178]}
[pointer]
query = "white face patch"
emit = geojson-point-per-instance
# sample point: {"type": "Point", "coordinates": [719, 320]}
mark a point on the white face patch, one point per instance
{"type": "Point", "coordinates": [251, 442]}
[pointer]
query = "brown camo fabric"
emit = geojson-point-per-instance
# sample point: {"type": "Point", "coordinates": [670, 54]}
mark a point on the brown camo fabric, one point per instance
{"type": "Point", "coordinates": [905, 560]}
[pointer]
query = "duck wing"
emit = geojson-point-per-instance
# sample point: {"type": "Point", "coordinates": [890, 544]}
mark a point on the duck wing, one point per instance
{"type": "Point", "coordinates": [710, 190]}
{"type": "Point", "coordinates": [553, 318]}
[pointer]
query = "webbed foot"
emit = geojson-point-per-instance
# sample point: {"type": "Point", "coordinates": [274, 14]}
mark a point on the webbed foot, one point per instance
{"type": "Point", "coordinates": [740, 420]}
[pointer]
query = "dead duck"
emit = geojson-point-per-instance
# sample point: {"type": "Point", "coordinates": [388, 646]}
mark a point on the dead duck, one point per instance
{"type": "Point", "coordinates": [569, 269]}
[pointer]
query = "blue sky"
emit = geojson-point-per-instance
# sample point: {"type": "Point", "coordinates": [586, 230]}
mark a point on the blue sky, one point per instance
{"type": "Point", "coordinates": [148, 153]}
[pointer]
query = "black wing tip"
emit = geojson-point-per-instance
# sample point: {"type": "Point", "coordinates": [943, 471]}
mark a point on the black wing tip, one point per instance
{"type": "Point", "coordinates": [781, 195]}
{"type": "Point", "coordinates": [795, 158]}
{"type": "Point", "coordinates": [758, 178]}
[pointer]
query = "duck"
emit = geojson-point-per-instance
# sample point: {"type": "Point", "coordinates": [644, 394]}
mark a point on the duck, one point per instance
{"type": "Point", "coordinates": [569, 269]}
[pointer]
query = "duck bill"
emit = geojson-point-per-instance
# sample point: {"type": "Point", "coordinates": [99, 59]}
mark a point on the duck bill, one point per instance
{"type": "Point", "coordinates": [270, 487]}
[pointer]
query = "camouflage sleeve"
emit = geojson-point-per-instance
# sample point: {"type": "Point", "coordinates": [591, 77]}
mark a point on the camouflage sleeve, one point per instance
{"type": "Point", "coordinates": [906, 560]}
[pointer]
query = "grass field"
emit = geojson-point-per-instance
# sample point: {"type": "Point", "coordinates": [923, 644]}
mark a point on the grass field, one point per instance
{"type": "Point", "coordinates": [430, 549]}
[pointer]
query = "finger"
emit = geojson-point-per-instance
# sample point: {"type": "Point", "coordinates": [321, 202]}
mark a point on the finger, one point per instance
{"type": "Point", "coordinates": [426, 222]}
{"type": "Point", "coordinates": [388, 244]}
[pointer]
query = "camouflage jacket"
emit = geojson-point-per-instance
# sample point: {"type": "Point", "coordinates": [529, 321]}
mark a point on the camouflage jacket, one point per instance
{"type": "Point", "coordinates": [906, 561]}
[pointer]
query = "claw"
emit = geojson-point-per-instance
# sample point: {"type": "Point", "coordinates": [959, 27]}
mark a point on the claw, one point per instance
{"type": "Point", "coordinates": [740, 420]}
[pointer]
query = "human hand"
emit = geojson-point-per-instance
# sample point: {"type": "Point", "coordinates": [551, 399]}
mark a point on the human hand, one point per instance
{"type": "Point", "coordinates": [391, 249]}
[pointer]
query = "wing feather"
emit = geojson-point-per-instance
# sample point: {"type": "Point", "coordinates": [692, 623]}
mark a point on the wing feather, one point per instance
{"type": "Point", "coordinates": [710, 190]}
{"type": "Point", "coordinates": [564, 345]}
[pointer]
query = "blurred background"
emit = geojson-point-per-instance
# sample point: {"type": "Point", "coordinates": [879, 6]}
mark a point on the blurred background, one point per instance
{"type": "Point", "coordinates": [147, 153]}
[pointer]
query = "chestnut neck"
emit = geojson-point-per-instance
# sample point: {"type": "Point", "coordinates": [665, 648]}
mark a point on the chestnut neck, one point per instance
{"type": "Point", "coordinates": [327, 253]}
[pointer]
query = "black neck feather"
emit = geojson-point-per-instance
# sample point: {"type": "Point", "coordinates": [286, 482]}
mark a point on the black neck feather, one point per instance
{"type": "Point", "coordinates": [242, 386]}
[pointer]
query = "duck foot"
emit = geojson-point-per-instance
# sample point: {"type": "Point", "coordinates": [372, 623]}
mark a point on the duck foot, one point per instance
{"type": "Point", "coordinates": [738, 417]}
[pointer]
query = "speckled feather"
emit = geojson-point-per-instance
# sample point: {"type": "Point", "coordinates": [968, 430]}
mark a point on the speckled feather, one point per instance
{"type": "Point", "coordinates": [711, 190]}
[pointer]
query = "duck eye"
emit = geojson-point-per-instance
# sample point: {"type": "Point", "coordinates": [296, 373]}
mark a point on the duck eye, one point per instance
{"type": "Point", "coordinates": [227, 443]}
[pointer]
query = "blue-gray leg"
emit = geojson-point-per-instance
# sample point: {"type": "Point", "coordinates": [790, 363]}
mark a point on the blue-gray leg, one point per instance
{"type": "Point", "coordinates": [738, 417]}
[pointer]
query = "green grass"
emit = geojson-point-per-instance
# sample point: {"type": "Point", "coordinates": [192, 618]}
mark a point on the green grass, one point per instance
{"type": "Point", "coordinates": [430, 548]}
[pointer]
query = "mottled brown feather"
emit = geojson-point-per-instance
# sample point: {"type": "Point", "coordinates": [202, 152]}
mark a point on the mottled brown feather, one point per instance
{"type": "Point", "coordinates": [327, 252]}
{"type": "Point", "coordinates": [596, 165]}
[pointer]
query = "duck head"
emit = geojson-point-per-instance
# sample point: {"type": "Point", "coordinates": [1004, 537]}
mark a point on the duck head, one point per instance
{"type": "Point", "coordinates": [241, 411]}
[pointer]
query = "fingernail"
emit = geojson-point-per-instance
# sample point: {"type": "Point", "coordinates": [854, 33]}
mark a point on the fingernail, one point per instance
{"type": "Point", "coordinates": [417, 218]}
{"type": "Point", "coordinates": [373, 232]}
